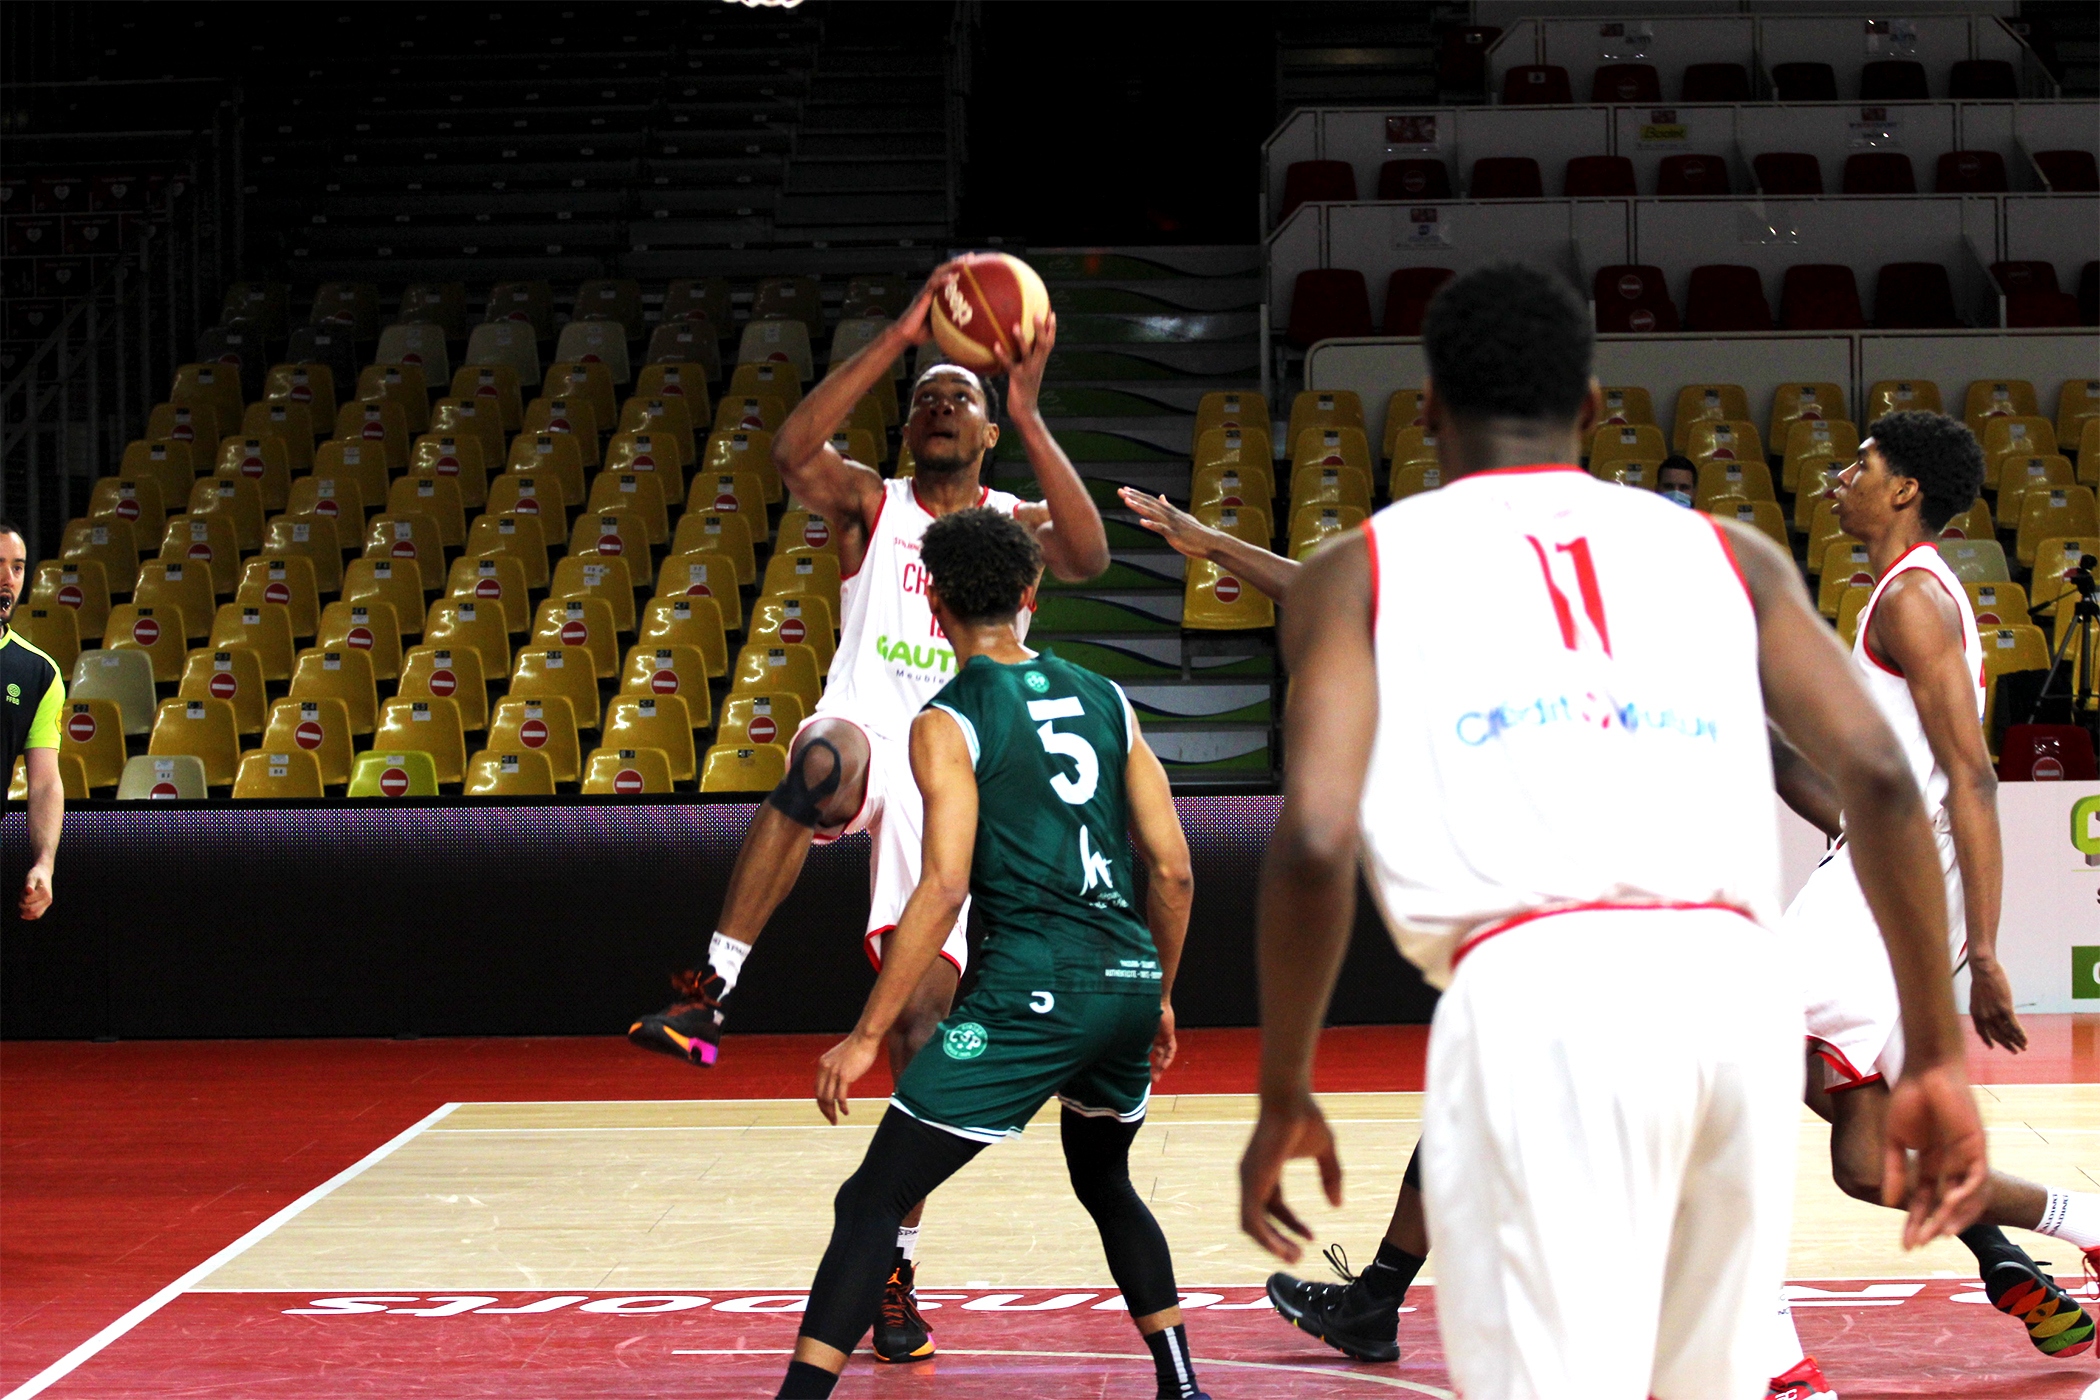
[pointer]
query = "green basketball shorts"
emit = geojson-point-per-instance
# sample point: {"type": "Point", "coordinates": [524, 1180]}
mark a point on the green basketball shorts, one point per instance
{"type": "Point", "coordinates": [1003, 1054]}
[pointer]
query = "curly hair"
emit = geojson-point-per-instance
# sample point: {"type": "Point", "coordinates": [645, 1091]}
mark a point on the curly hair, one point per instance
{"type": "Point", "coordinates": [1937, 452]}
{"type": "Point", "coordinates": [981, 562]}
{"type": "Point", "coordinates": [1508, 340]}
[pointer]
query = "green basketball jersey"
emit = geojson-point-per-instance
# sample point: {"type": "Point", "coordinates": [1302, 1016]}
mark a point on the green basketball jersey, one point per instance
{"type": "Point", "coordinates": [1052, 873]}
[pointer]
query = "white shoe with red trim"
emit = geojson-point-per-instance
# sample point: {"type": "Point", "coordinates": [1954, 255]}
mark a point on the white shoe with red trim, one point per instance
{"type": "Point", "coordinates": [1805, 1382]}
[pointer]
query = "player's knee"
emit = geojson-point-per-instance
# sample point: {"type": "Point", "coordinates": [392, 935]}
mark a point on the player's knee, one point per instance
{"type": "Point", "coordinates": [916, 1026]}
{"type": "Point", "coordinates": [816, 785]}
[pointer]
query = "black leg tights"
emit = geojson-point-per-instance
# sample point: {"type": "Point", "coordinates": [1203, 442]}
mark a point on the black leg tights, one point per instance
{"type": "Point", "coordinates": [1097, 1154]}
{"type": "Point", "coordinates": [905, 1162]}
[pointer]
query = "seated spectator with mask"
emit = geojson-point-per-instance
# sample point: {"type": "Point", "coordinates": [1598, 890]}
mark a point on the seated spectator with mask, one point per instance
{"type": "Point", "coordinates": [1678, 479]}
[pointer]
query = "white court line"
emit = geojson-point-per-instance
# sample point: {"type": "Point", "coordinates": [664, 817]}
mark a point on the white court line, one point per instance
{"type": "Point", "coordinates": [1391, 1382]}
{"type": "Point", "coordinates": [827, 1127]}
{"type": "Point", "coordinates": [74, 1359]}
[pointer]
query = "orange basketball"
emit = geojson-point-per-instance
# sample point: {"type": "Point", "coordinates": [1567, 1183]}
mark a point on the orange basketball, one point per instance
{"type": "Point", "coordinates": [981, 306]}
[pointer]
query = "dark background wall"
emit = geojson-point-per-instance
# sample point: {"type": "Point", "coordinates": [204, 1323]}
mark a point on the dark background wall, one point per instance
{"type": "Point", "coordinates": [471, 919]}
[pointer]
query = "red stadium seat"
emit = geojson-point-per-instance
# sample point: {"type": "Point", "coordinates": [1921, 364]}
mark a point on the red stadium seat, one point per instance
{"type": "Point", "coordinates": [1820, 297]}
{"type": "Point", "coordinates": [1724, 297]}
{"type": "Point", "coordinates": [2041, 309]}
{"type": "Point", "coordinates": [2069, 172]}
{"type": "Point", "coordinates": [1879, 172]}
{"type": "Point", "coordinates": [1633, 297]}
{"type": "Point", "coordinates": [1328, 302]}
{"type": "Point", "coordinates": [1914, 296]}
{"type": "Point", "coordinates": [1599, 177]}
{"type": "Point", "coordinates": [1506, 177]}
{"type": "Point", "coordinates": [1983, 80]}
{"type": "Point", "coordinates": [2046, 753]}
{"type": "Point", "coordinates": [1626, 82]}
{"type": "Point", "coordinates": [1893, 80]}
{"type": "Point", "coordinates": [1311, 181]}
{"type": "Point", "coordinates": [1804, 82]}
{"type": "Point", "coordinates": [1414, 179]}
{"type": "Point", "coordinates": [1788, 173]}
{"type": "Point", "coordinates": [1716, 82]}
{"type": "Point", "coordinates": [2013, 278]}
{"type": "Point", "coordinates": [1407, 294]}
{"type": "Point", "coordinates": [1693, 174]}
{"type": "Point", "coordinates": [1461, 58]}
{"type": "Point", "coordinates": [1536, 84]}
{"type": "Point", "coordinates": [1970, 172]}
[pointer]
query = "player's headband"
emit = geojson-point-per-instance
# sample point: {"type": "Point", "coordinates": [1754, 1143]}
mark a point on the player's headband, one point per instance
{"type": "Point", "coordinates": [960, 371]}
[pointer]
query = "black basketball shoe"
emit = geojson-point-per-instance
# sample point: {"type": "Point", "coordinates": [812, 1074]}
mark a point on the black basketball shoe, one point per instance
{"type": "Point", "coordinates": [1343, 1315]}
{"type": "Point", "coordinates": [690, 1028]}
{"type": "Point", "coordinates": [900, 1333]}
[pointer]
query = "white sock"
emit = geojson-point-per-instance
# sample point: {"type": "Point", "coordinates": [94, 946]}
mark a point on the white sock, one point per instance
{"type": "Point", "coordinates": [908, 1240]}
{"type": "Point", "coordinates": [2072, 1216]}
{"type": "Point", "coordinates": [726, 957]}
{"type": "Point", "coordinates": [1786, 1351]}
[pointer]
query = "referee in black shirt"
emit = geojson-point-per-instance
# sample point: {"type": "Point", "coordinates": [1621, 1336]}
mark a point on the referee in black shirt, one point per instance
{"type": "Point", "coordinates": [32, 694]}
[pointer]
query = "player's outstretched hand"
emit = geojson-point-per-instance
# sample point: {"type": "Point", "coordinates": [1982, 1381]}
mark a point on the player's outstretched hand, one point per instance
{"type": "Point", "coordinates": [1991, 1008]}
{"type": "Point", "coordinates": [842, 1064]}
{"type": "Point", "coordinates": [1936, 1168]}
{"type": "Point", "coordinates": [1284, 1131]}
{"type": "Point", "coordinates": [36, 894]}
{"type": "Point", "coordinates": [1024, 376]}
{"type": "Point", "coordinates": [1163, 1043]}
{"type": "Point", "coordinates": [1163, 518]}
{"type": "Point", "coordinates": [916, 324]}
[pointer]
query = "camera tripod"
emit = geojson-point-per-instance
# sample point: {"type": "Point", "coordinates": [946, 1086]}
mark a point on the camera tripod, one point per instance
{"type": "Point", "coordinates": [2080, 647]}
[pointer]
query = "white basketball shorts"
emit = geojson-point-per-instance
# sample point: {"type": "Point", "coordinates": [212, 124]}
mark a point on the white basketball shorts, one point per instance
{"type": "Point", "coordinates": [893, 814]}
{"type": "Point", "coordinates": [1608, 1156]}
{"type": "Point", "coordinates": [1848, 988]}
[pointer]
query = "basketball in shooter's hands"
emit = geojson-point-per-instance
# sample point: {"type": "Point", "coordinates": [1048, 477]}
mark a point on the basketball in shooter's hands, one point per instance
{"type": "Point", "coordinates": [990, 302]}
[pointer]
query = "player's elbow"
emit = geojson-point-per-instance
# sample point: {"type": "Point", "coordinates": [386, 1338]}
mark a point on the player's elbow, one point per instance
{"type": "Point", "coordinates": [1173, 878]}
{"type": "Point", "coordinates": [1081, 563]}
{"type": "Point", "coordinates": [1880, 782]}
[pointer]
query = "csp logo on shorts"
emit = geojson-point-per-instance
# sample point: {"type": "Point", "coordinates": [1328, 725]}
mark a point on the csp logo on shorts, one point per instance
{"type": "Point", "coordinates": [1038, 682]}
{"type": "Point", "coordinates": [965, 1041]}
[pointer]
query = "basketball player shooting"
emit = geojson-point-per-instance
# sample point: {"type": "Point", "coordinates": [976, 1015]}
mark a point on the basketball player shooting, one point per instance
{"type": "Point", "coordinates": [1616, 1052]}
{"type": "Point", "coordinates": [1917, 653]}
{"type": "Point", "coordinates": [849, 768]}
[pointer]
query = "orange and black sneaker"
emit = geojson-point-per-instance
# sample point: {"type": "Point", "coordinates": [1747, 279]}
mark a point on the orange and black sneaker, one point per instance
{"type": "Point", "coordinates": [900, 1333]}
{"type": "Point", "coordinates": [2055, 1323]}
{"type": "Point", "coordinates": [690, 1028]}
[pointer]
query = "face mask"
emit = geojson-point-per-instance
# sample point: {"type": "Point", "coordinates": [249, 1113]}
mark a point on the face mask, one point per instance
{"type": "Point", "coordinates": [1682, 497]}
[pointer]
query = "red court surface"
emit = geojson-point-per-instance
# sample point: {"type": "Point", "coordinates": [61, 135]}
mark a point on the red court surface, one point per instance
{"type": "Point", "coordinates": [124, 1166]}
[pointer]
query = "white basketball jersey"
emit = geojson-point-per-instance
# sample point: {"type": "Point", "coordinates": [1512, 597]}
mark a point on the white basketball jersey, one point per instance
{"type": "Point", "coordinates": [1891, 691]}
{"type": "Point", "coordinates": [1590, 733]}
{"type": "Point", "coordinates": [892, 655]}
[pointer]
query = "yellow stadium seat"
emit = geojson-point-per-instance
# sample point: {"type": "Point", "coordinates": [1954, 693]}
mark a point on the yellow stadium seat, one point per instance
{"type": "Point", "coordinates": [638, 492]}
{"type": "Point", "coordinates": [368, 625]}
{"type": "Point", "coordinates": [709, 532]}
{"type": "Point", "coordinates": [2089, 453]}
{"type": "Point", "coordinates": [1244, 409]}
{"type": "Point", "coordinates": [53, 630]}
{"type": "Point", "coordinates": [453, 457]}
{"type": "Point", "coordinates": [805, 532]}
{"type": "Point", "coordinates": [1641, 442]}
{"type": "Point", "coordinates": [215, 384]}
{"type": "Point", "coordinates": [197, 423]}
{"type": "Point", "coordinates": [131, 498]}
{"type": "Point", "coordinates": [859, 445]}
{"type": "Point", "coordinates": [1636, 472]}
{"type": "Point", "coordinates": [2014, 437]}
{"type": "Point", "coordinates": [446, 673]}
{"type": "Point", "coordinates": [660, 722]}
{"type": "Point", "coordinates": [678, 379]}
{"type": "Point", "coordinates": [339, 674]}
{"type": "Point", "coordinates": [556, 455]}
{"type": "Point", "coordinates": [1896, 395]}
{"type": "Point", "coordinates": [739, 450]}
{"type": "Point", "coordinates": [437, 497]}
{"type": "Point", "coordinates": [472, 624]}
{"type": "Point", "coordinates": [526, 305]}
{"type": "Point", "coordinates": [513, 535]}
{"type": "Point", "coordinates": [1402, 410]}
{"type": "Point", "coordinates": [473, 418]}
{"type": "Point", "coordinates": [293, 424]}
{"type": "Point", "coordinates": [656, 456]}
{"type": "Point", "coordinates": [235, 500]}
{"type": "Point", "coordinates": [1819, 477]}
{"type": "Point", "coordinates": [1330, 486]}
{"type": "Point", "coordinates": [206, 730]}
{"type": "Point", "coordinates": [172, 775]}
{"type": "Point", "coordinates": [287, 775]}
{"type": "Point", "coordinates": [315, 538]}
{"type": "Point", "coordinates": [1413, 479]}
{"type": "Point", "coordinates": [361, 462]}
{"type": "Point", "coordinates": [1230, 448]}
{"type": "Point", "coordinates": [124, 678]}
{"type": "Point", "coordinates": [784, 342]}
{"type": "Point", "coordinates": [401, 384]}
{"type": "Point", "coordinates": [595, 576]}
{"type": "Point", "coordinates": [733, 493]}
{"type": "Point", "coordinates": [347, 305]}
{"type": "Point", "coordinates": [786, 667]}
{"type": "Point", "coordinates": [619, 532]}
{"type": "Point", "coordinates": [1844, 565]}
{"type": "Point", "coordinates": [282, 580]}
{"type": "Point", "coordinates": [761, 717]}
{"type": "Point", "coordinates": [628, 771]}
{"type": "Point", "coordinates": [1997, 398]}
{"type": "Point", "coordinates": [2020, 647]}
{"type": "Point", "coordinates": [589, 380]}
{"type": "Point", "coordinates": [400, 773]}
{"type": "Point", "coordinates": [1996, 604]}
{"type": "Point", "coordinates": [790, 299]}
{"type": "Point", "coordinates": [1851, 603]}
{"type": "Point", "coordinates": [804, 573]}
{"type": "Point", "coordinates": [612, 299]}
{"type": "Point", "coordinates": [380, 425]}
{"type": "Point", "coordinates": [1975, 561]}
{"type": "Point", "coordinates": [2018, 474]}
{"type": "Point", "coordinates": [585, 624]}
{"type": "Point", "coordinates": [386, 581]}
{"type": "Point", "coordinates": [2077, 404]}
{"type": "Point", "coordinates": [78, 585]}
{"type": "Point", "coordinates": [541, 724]}
{"type": "Point", "coordinates": [430, 725]}
{"type": "Point", "coordinates": [1730, 440]}
{"type": "Point", "coordinates": [1315, 525]}
{"type": "Point", "coordinates": [757, 768]}
{"type": "Point", "coordinates": [183, 586]}
{"type": "Point", "coordinates": [263, 628]}
{"type": "Point", "coordinates": [1816, 440]}
{"type": "Point", "coordinates": [671, 416]}
{"type": "Point", "coordinates": [2053, 560]}
{"type": "Point", "coordinates": [172, 464]}
{"type": "Point", "coordinates": [497, 579]}
{"type": "Point", "coordinates": [703, 574]}
{"type": "Point", "coordinates": [511, 344]}
{"type": "Point", "coordinates": [687, 337]}
{"type": "Point", "coordinates": [157, 632]}
{"type": "Point", "coordinates": [1626, 403]}
{"type": "Point", "coordinates": [765, 379]}
{"type": "Point", "coordinates": [341, 499]}
{"type": "Point", "coordinates": [1706, 403]}
{"type": "Point", "coordinates": [408, 537]}
{"type": "Point", "coordinates": [569, 672]}
{"type": "Point", "coordinates": [587, 340]}
{"type": "Point", "coordinates": [1249, 522]}
{"type": "Point", "coordinates": [1215, 600]}
{"type": "Point", "coordinates": [535, 493]}
{"type": "Point", "coordinates": [1324, 408]}
{"type": "Point", "coordinates": [1803, 401]}
{"type": "Point", "coordinates": [1758, 515]}
{"type": "Point", "coordinates": [110, 543]}
{"type": "Point", "coordinates": [1975, 523]}
{"type": "Point", "coordinates": [439, 306]}
{"type": "Point", "coordinates": [799, 617]}
{"type": "Point", "coordinates": [876, 296]}
{"type": "Point", "coordinates": [2056, 510]}
{"type": "Point", "coordinates": [750, 412]}
{"type": "Point", "coordinates": [92, 730]}
{"type": "Point", "coordinates": [1244, 486]}
{"type": "Point", "coordinates": [1747, 479]}
{"type": "Point", "coordinates": [662, 669]}
{"type": "Point", "coordinates": [688, 621]}
{"type": "Point", "coordinates": [1331, 447]}
{"type": "Point", "coordinates": [519, 773]}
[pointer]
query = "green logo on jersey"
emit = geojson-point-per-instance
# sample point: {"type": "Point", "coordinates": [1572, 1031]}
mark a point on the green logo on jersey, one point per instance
{"type": "Point", "coordinates": [1038, 682]}
{"type": "Point", "coordinates": [965, 1041]}
{"type": "Point", "coordinates": [14, 693]}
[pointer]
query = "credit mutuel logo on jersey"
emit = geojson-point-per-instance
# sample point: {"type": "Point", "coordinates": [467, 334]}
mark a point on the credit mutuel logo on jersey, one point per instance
{"type": "Point", "coordinates": [1588, 711]}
